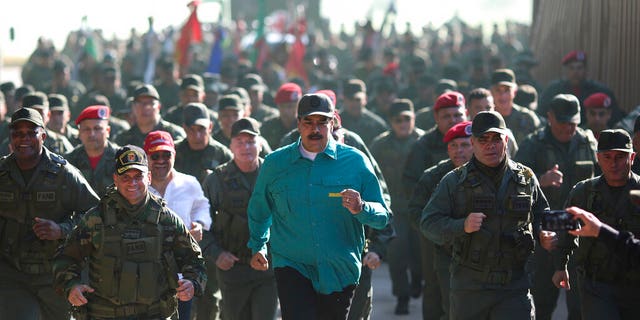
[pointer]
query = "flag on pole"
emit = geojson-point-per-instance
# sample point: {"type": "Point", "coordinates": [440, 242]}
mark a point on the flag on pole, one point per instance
{"type": "Point", "coordinates": [215, 58]}
{"type": "Point", "coordinates": [295, 64]}
{"type": "Point", "coordinates": [191, 33]}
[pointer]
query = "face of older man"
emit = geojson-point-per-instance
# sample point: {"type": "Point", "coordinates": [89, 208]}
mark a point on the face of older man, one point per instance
{"type": "Point", "coordinates": [314, 132]}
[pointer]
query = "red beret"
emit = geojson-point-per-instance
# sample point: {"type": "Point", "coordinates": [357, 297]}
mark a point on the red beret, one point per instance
{"type": "Point", "coordinates": [288, 92]}
{"type": "Point", "coordinates": [460, 130]}
{"type": "Point", "coordinates": [158, 141]}
{"type": "Point", "coordinates": [575, 55]}
{"type": "Point", "coordinates": [597, 100]}
{"type": "Point", "coordinates": [330, 94]}
{"type": "Point", "coordinates": [94, 112]}
{"type": "Point", "coordinates": [448, 100]}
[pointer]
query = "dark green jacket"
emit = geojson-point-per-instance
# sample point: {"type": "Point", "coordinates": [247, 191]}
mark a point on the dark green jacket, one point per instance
{"type": "Point", "coordinates": [200, 163]}
{"type": "Point", "coordinates": [135, 137]}
{"type": "Point", "coordinates": [102, 176]}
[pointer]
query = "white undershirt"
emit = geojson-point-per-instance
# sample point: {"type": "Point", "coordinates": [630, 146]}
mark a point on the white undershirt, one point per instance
{"type": "Point", "coordinates": [307, 154]}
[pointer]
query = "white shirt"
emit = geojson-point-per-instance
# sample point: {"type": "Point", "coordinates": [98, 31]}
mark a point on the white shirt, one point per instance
{"type": "Point", "coordinates": [185, 197]}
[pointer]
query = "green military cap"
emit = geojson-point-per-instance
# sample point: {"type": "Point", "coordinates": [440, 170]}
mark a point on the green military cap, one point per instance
{"type": "Point", "coordinates": [27, 114]}
{"type": "Point", "coordinates": [566, 108]}
{"type": "Point", "coordinates": [245, 125]}
{"type": "Point", "coordinates": [57, 102]}
{"type": "Point", "coordinates": [401, 107]}
{"type": "Point", "coordinates": [614, 139]}
{"type": "Point", "coordinates": [131, 157]}
{"type": "Point", "coordinates": [196, 113]}
{"type": "Point", "coordinates": [230, 101]}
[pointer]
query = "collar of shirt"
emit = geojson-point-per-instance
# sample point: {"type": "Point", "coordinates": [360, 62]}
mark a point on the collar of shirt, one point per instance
{"type": "Point", "coordinates": [330, 150]}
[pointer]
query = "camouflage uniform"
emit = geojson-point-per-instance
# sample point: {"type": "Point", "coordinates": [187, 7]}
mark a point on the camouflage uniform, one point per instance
{"type": "Point", "coordinates": [200, 163]}
{"type": "Point", "coordinates": [247, 293]}
{"type": "Point", "coordinates": [102, 176]}
{"type": "Point", "coordinates": [264, 112]}
{"type": "Point", "coordinates": [607, 289]}
{"type": "Point", "coordinates": [134, 255]}
{"type": "Point", "coordinates": [273, 131]}
{"type": "Point", "coordinates": [389, 151]}
{"type": "Point", "coordinates": [135, 137]}
{"type": "Point", "coordinates": [54, 191]}
{"type": "Point", "coordinates": [522, 122]}
{"type": "Point", "coordinates": [577, 161]}
{"type": "Point", "coordinates": [435, 258]}
{"type": "Point", "coordinates": [488, 278]}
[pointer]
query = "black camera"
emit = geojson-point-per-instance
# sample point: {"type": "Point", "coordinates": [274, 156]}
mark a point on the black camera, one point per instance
{"type": "Point", "coordinates": [559, 220]}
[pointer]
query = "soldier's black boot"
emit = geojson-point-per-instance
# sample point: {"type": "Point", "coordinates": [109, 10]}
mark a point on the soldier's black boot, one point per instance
{"type": "Point", "coordinates": [402, 307]}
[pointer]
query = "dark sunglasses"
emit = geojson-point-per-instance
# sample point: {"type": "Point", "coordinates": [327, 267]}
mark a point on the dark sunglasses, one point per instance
{"type": "Point", "coordinates": [158, 155]}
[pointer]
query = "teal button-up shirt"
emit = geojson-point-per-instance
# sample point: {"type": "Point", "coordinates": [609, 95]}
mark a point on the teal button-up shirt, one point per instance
{"type": "Point", "coordinates": [294, 207]}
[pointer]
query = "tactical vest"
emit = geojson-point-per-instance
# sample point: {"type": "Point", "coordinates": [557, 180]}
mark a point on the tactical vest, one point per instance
{"type": "Point", "coordinates": [18, 208]}
{"type": "Point", "coordinates": [133, 267]}
{"type": "Point", "coordinates": [230, 225]}
{"type": "Point", "coordinates": [505, 240]}
{"type": "Point", "coordinates": [595, 258]}
{"type": "Point", "coordinates": [577, 166]}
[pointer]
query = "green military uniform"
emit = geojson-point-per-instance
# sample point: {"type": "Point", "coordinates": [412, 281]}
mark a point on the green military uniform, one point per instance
{"type": "Point", "coordinates": [390, 151]}
{"type": "Point", "coordinates": [266, 148]}
{"type": "Point", "coordinates": [118, 125]}
{"type": "Point", "coordinates": [52, 190]}
{"type": "Point", "coordinates": [200, 163]}
{"type": "Point", "coordinates": [368, 126]}
{"type": "Point", "coordinates": [175, 115]}
{"type": "Point", "coordinates": [522, 122]}
{"type": "Point", "coordinates": [247, 293]}
{"type": "Point", "coordinates": [488, 278]}
{"type": "Point", "coordinates": [577, 161]}
{"type": "Point", "coordinates": [607, 289]}
{"type": "Point", "coordinates": [425, 118]}
{"type": "Point", "coordinates": [134, 255]}
{"type": "Point", "coordinates": [273, 131]}
{"type": "Point", "coordinates": [427, 151]}
{"type": "Point", "coordinates": [264, 112]}
{"type": "Point", "coordinates": [72, 134]}
{"type": "Point", "coordinates": [435, 258]}
{"type": "Point", "coordinates": [135, 137]}
{"type": "Point", "coordinates": [102, 176]}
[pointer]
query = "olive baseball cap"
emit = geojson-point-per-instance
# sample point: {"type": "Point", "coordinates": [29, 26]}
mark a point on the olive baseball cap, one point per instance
{"type": "Point", "coordinates": [131, 157]}
{"type": "Point", "coordinates": [614, 139]}
{"type": "Point", "coordinates": [57, 102]}
{"type": "Point", "coordinates": [316, 103]}
{"type": "Point", "coordinates": [27, 114]}
{"type": "Point", "coordinates": [146, 90]}
{"type": "Point", "coordinates": [566, 108]}
{"type": "Point", "coordinates": [401, 107]}
{"type": "Point", "coordinates": [230, 101]}
{"type": "Point", "coordinates": [192, 81]}
{"type": "Point", "coordinates": [245, 125]}
{"type": "Point", "coordinates": [196, 113]}
{"type": "Point", "coordinates": [503, 77]}
{"type": "Point", "coordinates": [488, 121]}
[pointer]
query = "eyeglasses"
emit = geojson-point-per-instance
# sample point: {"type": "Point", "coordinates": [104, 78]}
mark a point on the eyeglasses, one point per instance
{"type": "Point", "coordinates": [31, 134]}
{"type": "Point", "coordinates": [164, 155]}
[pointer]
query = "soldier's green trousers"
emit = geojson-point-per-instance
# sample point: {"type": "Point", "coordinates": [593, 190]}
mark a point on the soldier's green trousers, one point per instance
{"type": "Point", "coordinates": [494, 304]}
{"type": "Point", "coordinates": [248, 294]}
{"type": "Point", "coordinates": [207, 306]}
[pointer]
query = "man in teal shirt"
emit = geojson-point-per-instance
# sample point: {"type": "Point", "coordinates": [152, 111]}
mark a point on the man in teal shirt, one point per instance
{"type": "Point", "coordinates": [311, 201]}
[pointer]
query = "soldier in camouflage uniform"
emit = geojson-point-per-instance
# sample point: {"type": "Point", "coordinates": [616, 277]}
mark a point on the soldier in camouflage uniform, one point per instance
{"type": "Point", "coordinates": [146, 110]}
{"type": "Point", "coordinates": [247, 293]}
{"type": "Point", "coordinates": [489, 211]}
{"type": "Point", "coordinates": [436, 258]}
{"type": "Point", "coordinates": [198, 154]}
{"type": "Point", "coordinates": [561, 155]}
{"type": "Point", "coordinates": [608, 290]}
{"type": "Point", "coordinates": [59, 117]}
{"type": "Point", "coordinates": [94, 157]}
{"type": "Point", "coordinates": [140, 256]}
{"type": "Point", "coordinates": [390, 149]}
{"type": "Point", "coordinates": [191, 91]}
{"type": "Point", "coordinates": [40, 197]}
{"type": "Point", "coordinates": [520, 120]}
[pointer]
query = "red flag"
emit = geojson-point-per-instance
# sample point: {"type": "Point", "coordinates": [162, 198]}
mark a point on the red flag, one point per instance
{"type": "Point", "coordinates": [295, 64]}
{"type": "Point", "coordinates": [191, 33]}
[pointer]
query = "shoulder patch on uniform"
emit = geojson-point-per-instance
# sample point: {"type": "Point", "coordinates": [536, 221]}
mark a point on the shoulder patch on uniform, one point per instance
{"type": "Point", "coordinates": [58, 159]}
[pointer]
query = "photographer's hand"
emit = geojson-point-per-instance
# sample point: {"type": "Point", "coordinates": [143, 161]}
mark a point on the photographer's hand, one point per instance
{"type": "Point", "coordinates": [590, 223]}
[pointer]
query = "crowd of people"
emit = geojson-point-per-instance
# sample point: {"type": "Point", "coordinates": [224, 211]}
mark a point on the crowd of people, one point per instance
{"type": "Point", "coordinates": [200, 194]}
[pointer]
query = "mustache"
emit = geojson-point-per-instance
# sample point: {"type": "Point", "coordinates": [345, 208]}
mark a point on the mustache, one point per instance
{"type": "Point", "coordinates": [315, 136]}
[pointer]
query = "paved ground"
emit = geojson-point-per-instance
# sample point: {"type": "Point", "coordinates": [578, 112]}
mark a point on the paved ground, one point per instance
{"type": "Point", "coordinates": [384, 302]}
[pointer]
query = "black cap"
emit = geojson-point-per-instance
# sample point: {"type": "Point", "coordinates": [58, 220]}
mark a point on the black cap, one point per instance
{"type": "Point", "coordinates": [354, 86]}
{"type": "Point", "coordinates": [401, 107]}
{"type": "Point", "coordinates": [212, 83]}
{"type": "Point", "coordinates": [566, 108]}
{"type": "Point", "coordinates": [8, 86]}
{"type": "Point", "coordinates": [230, 101]}
{"type": "Point", "coordinates": [131, 157]}
{"type": "Point", "coordinates": [614, 139]}
{"type": "Point", "coordinates": [196, 113]}
{"type": "Point", "coordinates": [245, 125]}
{"type": "Point", "coordinates": [241, 93]}
{"type": "Point", "coordinates": [488, 121]}
{"type": "Point", "coordinates": [192, 81]}
{"type": "Point", "coordinates": [27, 114]}
{"type": "Point", "coordinates": [57, 102]}
{"type": "Point", "coordinates": [35, 100]}
{"type": "Point", "coordinates": [636, 125]}
{"type": "Point", "coordinates": [60, 65]}
{"type": "Point", "coordinates": [316, 103]}
{"type": "Point", "coordinates": [146, 90]}
{"type": "Point", "coordinates": [503, 77]}
{"type": "Point", "coordinates": [252, 81]}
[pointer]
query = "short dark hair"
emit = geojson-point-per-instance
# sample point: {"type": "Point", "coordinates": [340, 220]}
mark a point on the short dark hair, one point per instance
{"type": "Point", "coordinates": [478, 93]}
